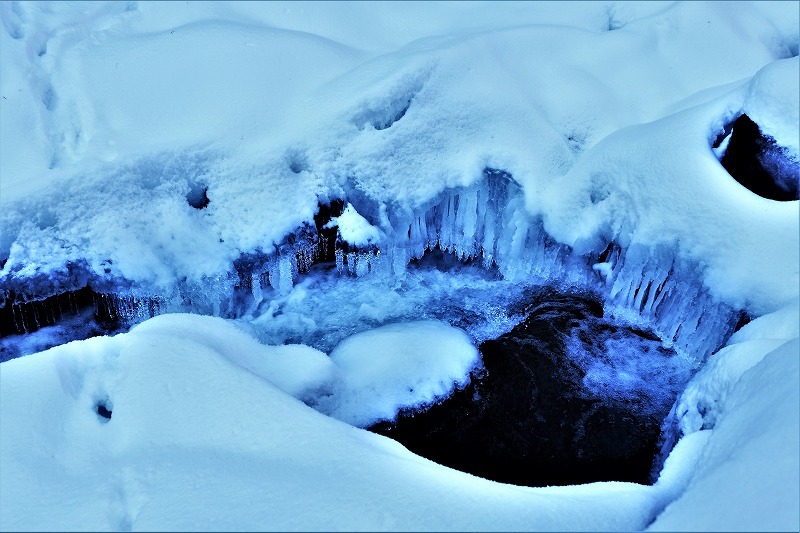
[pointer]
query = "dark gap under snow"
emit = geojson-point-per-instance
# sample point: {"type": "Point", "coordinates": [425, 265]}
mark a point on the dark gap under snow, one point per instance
{"type": "Point", "coordinates": [568, 396]}
{"type": "Point", "coordinates": [758, 163]}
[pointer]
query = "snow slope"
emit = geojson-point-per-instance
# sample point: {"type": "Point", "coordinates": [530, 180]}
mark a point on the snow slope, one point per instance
{"type": "Point", "coordinates": [201, 438]}
{"type": "Point", "coordinates": [748, 476]}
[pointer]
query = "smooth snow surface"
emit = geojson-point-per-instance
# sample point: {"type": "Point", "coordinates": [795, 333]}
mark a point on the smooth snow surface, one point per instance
{"type": "Point", "coordinates": [399, 365]}
{"type": "Point", "coordinates": [748, 476]}
{"type": "Point", "coordinates": [543, 142]}
{"type": "Point", "coordinates": [200, 438]}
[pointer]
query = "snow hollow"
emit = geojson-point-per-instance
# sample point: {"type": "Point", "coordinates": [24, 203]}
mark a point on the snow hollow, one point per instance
{"type": "Point", "coordinates": [399, 266]}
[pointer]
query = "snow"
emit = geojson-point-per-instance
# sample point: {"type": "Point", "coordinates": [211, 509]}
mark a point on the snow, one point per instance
{"type": "Point", "coordinates": [773, 99]}
{"type": "Point", "coordinates": [199, 438]}
{"type": "Point", "coordinates": [354, 229]}
{"type": "Point", "coordinates": [746, 400]}
{"type": "Point", "coordinates": [390, 123]}
{"type": "Point", "coordinates": [399, 365]}
{"type": "Point", "coordinates": [753, 452]}
{"type": "Point", "coordinates": [700, 404]}
{"type": "Point", "coordinates": [528, 137]}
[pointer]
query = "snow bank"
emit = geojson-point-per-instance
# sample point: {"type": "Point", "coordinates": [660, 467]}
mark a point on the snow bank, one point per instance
{"type": "Point", "coordinates": [632, 188]}
{"type": "Point", "coordinates": [198, 439]}
{"type": "Point", "coordinates": [395, 366]}
{"type": "Point", "coordinates": [703, 401]}
{"type": "Point", "coordinates": [272, 108]}
{"type": "Point", "coordinates": [748, 475]}
{"type": "Point", "coordinates": [773, 100]}
{"type": "Point", "coordinates": [744, 406]}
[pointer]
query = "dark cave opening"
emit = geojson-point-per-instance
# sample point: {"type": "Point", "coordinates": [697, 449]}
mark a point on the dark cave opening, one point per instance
{"type": "Point", "coordinates": [197, 196]}
{"type": "Point", "coordinates": [104, 409]}
{"type": "Point", "coordinates": [78, 314]}
{"type": "Point", "coordinates": [758, 163]}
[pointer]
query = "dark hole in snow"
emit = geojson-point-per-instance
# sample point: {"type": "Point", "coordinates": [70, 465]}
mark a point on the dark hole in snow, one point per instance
{"type": "Point", "coordinates": [49, 99]}
{"type": "Point", "coordinates": [611, 21]}
{"type": "Point", "coordinates": [759, 164]}
{"type": "Point", "coordinates": [610, 253]}
{"type": "Point", "coordinates": [327, 236]}
{"type": "Point", "coordinates": [382, 124]}
{"type": "Point", "coordinates": [566, 397]}
{"type": "Point", "coordinates": [18, 315]}
{"type": "Point", "coordinates": [104, 408]}
{"type": "Point", "coordinates": [744, 319]}
{"type": "Point", "coordinates": [297, 160]}
{"type": "Point", "coordinates": [197, 196]}
{"type": "Point", "coordinates": [63, 317]}
{"type": "Point", "coordinates": [449, 262]}
{"type": "Point", "coordinates": [385, 117]}
{"type": "Point", "coordinates": [722, 135]}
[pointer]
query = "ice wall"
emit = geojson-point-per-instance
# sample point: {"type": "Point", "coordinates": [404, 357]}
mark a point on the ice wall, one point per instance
{"type": "Point", "coordinates": [486, 222]}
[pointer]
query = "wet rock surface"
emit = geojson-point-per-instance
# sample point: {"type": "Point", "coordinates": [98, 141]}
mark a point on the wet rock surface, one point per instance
{"type": "Point", "coordinates": [566, 397]}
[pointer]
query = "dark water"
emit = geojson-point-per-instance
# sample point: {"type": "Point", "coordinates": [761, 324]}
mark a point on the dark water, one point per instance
{"type": "Point", "coordinates": [567, 397]}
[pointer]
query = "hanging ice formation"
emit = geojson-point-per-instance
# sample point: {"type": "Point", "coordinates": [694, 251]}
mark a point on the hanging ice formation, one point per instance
{"type": "Point", "coordinates": [486, 222]}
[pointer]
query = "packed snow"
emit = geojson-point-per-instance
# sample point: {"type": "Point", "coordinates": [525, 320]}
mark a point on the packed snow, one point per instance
{"type": "Point", "coordinates": [526, 143]}
{"type": "Point", "coordinates": [354, 229]}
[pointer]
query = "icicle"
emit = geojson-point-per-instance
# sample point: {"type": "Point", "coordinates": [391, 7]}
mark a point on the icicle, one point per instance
{"type": "Point", "coordinates": [275, 275]}
{"type": "Point", "coordinates": [362, 264]}
{"type": "Point", "coordinates": [19, 318]}
{"type": "Point", "coordinates": [399, 260]}
{"type": "Point", "coordinates": [468, 222]}
{"type": "Point", "coordinates": [352, 259]}
{"type": "Point", "coordinates": [489, 237]}
{"type": "Point", "coordinates": [339, 261]}
{"type": "Point", "coordinates": [446, 224]}
{"type": "Point", "coordinates": [286, 267]}
{"type": "Point", "coordinates": [258, 293]}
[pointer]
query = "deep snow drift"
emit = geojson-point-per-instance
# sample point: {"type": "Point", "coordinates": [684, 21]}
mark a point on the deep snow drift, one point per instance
{"type": "Point", "coordinates": [171, 157]}
{"type": "Point", "coordinates": [203, 436]}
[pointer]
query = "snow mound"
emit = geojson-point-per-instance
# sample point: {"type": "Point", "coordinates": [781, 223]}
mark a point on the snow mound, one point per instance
{"type": "Point", "coordinates": [354, 229]}
{"type": "Point", "coordinates": [773, 102]}
{"type": "Point", "coordinates": [748, 477]}
{"type": "Point", "coordinates": [398, 366]}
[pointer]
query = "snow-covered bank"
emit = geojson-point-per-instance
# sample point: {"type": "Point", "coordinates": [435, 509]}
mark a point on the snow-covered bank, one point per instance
{"type": "Point", "coordinates": [748, 476]}
{"type": "Point", "coordinates": [202, 436]}
{"type": "Point", "coordinates": [602, 147]}
{"type": "Point", "coordinates": [204, 433]}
